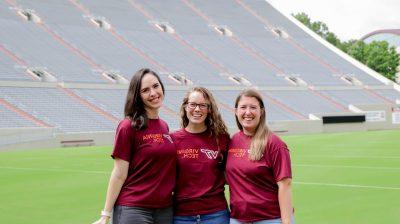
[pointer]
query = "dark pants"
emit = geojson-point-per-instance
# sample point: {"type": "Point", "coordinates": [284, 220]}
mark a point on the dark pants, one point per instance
{"type": "Point", "coordinates": [138, 215]}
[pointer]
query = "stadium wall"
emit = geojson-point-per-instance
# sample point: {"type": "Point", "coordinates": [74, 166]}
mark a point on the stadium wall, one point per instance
{"type": "Point", "coordinates": [42, 138]}
{"type": "Point", "coordinates": [380, 117]}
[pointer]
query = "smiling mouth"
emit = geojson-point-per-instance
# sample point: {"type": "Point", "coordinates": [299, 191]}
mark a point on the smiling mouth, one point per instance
{"type": "Point", "coordinates": [155, 99]}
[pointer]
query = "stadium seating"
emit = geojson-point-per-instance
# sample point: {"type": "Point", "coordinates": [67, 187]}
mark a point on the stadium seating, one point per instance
{"type": "Point", "coordinates": [53, 71]}
{"type": "Point", "coordinates": [10, 119]}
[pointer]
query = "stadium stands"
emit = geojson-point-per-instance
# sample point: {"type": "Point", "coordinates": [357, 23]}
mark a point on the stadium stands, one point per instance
{"type": "Point", "coordinates": [58, 109]}
{"type": "Point", "coordinates": [55, 57]}
{"type": "Point", "coordinates": [10, 119]}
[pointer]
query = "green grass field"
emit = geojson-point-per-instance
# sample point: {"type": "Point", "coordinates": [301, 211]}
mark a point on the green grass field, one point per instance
{"type": "Point", "coordinates": [338, 178]}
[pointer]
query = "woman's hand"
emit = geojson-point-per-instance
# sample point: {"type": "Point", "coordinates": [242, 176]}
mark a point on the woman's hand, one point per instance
{"type": "Point", "coordinates": [102, 220]}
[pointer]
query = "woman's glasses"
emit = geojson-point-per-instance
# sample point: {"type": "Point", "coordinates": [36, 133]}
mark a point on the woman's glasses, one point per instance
{"type": "Point", "coordinates": [202, 106]}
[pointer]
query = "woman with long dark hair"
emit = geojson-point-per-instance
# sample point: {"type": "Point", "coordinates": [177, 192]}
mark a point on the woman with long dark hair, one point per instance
{"type": "Point", "coordinates": [143, 177]}
{"type": "Point", "coordinates": [258, 167]}
{"type": "Point", "coordinates": [201, 147]}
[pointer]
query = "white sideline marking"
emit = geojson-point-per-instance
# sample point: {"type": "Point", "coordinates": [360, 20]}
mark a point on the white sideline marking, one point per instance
{"type": "Point", "coordinates": [347, 157]}
{"type": "Point", "coordinates": [347, 185]}
{"type": "Point", "coordinates": [54, 170]}
{"type": "Point", "coordinates": [353, 167]}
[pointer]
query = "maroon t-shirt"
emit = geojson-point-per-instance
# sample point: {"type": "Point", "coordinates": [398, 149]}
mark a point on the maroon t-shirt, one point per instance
{"type": "Point", "coordinates": [200, 180]}
{"type": "Point", "coordinates": [152, 164]}
{"type": "Point", "coordinates": [253, 184]}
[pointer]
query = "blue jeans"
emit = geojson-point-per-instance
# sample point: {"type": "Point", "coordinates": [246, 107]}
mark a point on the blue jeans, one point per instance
{"type": "Point", "coordinates": [269, 221]}
{"type": "Point", "coordinates": [220, 217]}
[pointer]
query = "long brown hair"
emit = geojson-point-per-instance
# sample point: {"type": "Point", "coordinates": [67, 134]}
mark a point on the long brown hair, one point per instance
{"type": "Point", "coordinates": [260, 138]}
{"type": "Point", "coordinates": [213, 121]}
{"type": "Point", "coordinates": [134, 106]}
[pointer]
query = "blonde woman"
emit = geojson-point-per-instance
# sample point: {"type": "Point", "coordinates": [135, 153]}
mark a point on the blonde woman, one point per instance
{"type": "Point", "coordinates": [258, 167]}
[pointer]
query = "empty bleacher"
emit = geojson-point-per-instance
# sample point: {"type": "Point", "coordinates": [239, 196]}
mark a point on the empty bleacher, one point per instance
{"type": "Point", "coordinates": [10, 119]}
{"type": "Point", "coordinates": [57, 109]}
{"type": "Point", "coordinates": [223, 45]}
{"type": "Point", "coordinates": [354, 96]}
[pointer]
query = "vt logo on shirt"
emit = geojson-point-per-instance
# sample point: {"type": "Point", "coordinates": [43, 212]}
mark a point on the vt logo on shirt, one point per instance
{"type": "Point", "coordinates": [211, 154]}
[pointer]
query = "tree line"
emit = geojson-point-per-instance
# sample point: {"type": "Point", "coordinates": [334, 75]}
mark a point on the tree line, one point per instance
{"type": "Point", "coordinates": [377, 55]}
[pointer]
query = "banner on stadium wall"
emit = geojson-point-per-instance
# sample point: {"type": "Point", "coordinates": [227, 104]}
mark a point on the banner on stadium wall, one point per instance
{"type": "Point", "coordinates": [395, 115]}
{"type": "Point", "coordinates": [375, 116]}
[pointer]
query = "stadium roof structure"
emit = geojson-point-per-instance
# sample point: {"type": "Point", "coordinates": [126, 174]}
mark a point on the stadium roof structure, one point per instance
{"type": "Point", "coordinates": [392, 36]}
{"type": "Point", "coordinates": [391, 31]}
{"type": "Point", "coordinates": [64, 64]}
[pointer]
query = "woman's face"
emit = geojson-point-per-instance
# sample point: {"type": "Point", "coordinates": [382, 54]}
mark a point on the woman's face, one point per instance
{"type": "Point", "coordinates": [151, 92]}
{"type": "Point", "coordinates": [248, 112]}
{"type": "Point", "coordinates": [197, 108]}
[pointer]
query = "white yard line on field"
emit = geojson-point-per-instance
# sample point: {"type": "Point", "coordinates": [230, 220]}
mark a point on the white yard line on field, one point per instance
{"type": "Point", "coordinates": [54, 170]}
{"type": "Point", "coordinates": [348, 157]}
{"type": "Point", "coordinates": [347, 185]}
{"type": "Point", "coordinates": [352, 167]}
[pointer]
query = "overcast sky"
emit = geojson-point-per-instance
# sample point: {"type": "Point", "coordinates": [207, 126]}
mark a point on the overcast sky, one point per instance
{"type": "Point", "coordinates": [346, 18]}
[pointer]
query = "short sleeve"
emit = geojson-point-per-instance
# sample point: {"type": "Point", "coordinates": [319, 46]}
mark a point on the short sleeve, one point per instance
{"type": "Point", "coordinates": [123, 142]}
{"type": "Point", "coordinates": [279, 159]}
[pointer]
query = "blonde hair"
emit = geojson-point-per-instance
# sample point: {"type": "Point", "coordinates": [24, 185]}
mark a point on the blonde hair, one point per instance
{"type": "Point", "coordinates": [213, 122]}
{"type": "Point", "coordinates": [260, 138]}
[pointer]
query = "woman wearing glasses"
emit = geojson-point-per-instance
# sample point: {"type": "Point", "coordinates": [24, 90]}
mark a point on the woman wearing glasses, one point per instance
{"type": "Point", "coordinates": [201, 146]}
{"type": "Point", "coordinates": [258, 168]}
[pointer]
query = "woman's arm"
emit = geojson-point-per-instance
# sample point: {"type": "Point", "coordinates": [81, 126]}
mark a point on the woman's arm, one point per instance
{"type": "Point", "coordinates": [117, 179]}
{"type": "Point", "coordinates": [285, 200]}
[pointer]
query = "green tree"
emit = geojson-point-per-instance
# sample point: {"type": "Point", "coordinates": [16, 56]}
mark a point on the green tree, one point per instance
{"type": "Point", "coordinates": [376, 55]}
{"type": "Point", "coordinates": [303, 18]}
{"type": "Point", "coordinates": [332, 38]}
{"type": "Point", "coordinates": [357, 50]}
{"type": "Point", "coordinates": [318, 27]}
{"type": "Point", "coordinates": [345, 45]}
{"type": "Point", "coordinates": [382, 58]}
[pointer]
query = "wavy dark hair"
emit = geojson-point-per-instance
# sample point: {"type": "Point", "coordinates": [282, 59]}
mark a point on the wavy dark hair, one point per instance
{"type": "Point", "coordinates": [214, 123]}
{"type": "Point", "coordinates": [134, 106]}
